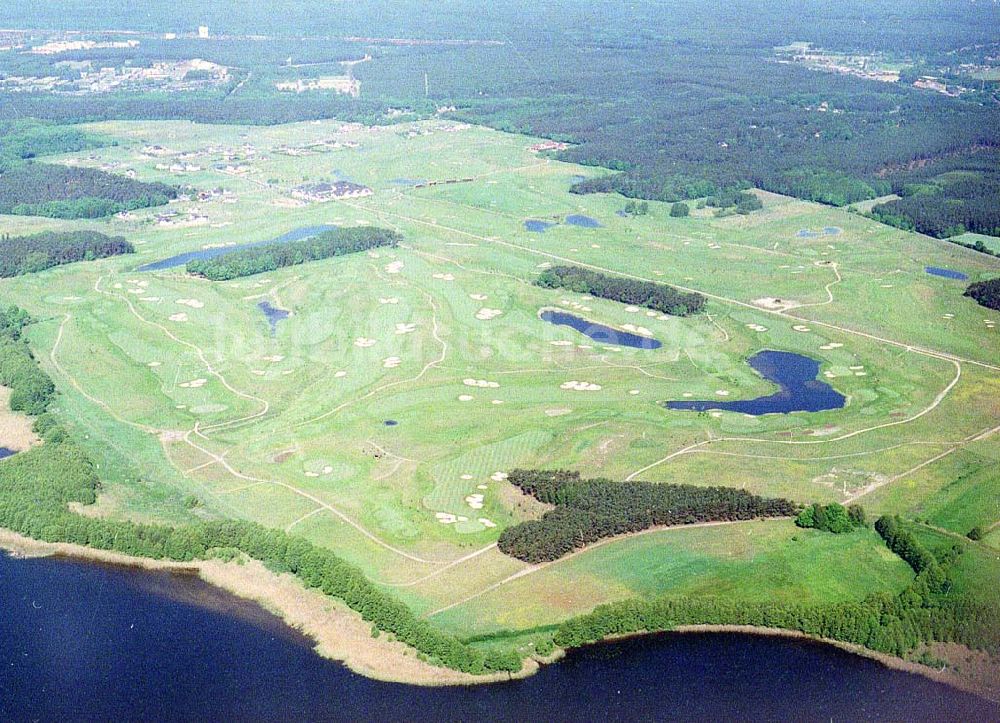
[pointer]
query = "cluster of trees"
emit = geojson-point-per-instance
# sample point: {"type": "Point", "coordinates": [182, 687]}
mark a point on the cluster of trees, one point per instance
{"type": "Point", "coordinates": [37, 487]}
{"type": "Point", "coordinates": [679, 210]}
{"type": "Point", "coordinates": [269, 257]}
{"type": "Point", "coordinates": [947, 197]}
{"type": "Point", "coordinates": [833, 517]}
{"type": "Point", "coordinates": [902, 542]}
{"type": "Point", "coordinates": [28, 254]}
{"type": "Point", "coordinates": [659, 297]}
{"type": "Point", "coordinates": [25, 138]}
{"type": "Point", "coordinates": [986, 293]}
{"type": "Point", "coordinates": [636, 208]}
{"type": "Point", "coordinates": [743, 201]}
{"type": "Point", "coordinates": [927, 610]}
{"type": "Point", "coordinates": [587, 510]}
{"type": "Point", "coordinates": [44, 189]}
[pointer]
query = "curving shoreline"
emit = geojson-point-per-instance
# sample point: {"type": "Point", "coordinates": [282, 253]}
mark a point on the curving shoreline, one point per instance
{"type": "Point", "coordinates": [340, 634]}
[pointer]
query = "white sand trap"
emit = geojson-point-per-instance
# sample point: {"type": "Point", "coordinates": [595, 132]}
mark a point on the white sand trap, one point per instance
{"type": "Point", "coordinates": [154, 364]}
{"type": "Point", "coordinates": [716, 414]}
{"type": "Point", "coordinates": [478, 297]}
{"type": "Point", "coordinates": [258, 372]}
{"type": "Point", "coordinates": [178, 317]}
{"type": "Point", "coordinates": [486, 314]}
{"type": "Point", "coordinates": [948, 316]}
{"type": "Point", "coordinates": [860, 374]}
{"type": "Point", "coordinates": [829, 375]}
{"type": "Point", "coordinates": [312, 474]}
{"type": "Point", "coordinates": [460, 518]}
{"type": "Point", "coordinates": [364, 342]}
{"type": "Point", "coordinates": [117, 286]}
{"type": "Point", "coordinates": [273, 358]}
{"type": "Point", "coordinates": [658, 273]}
{"type": "Point", "coordinates": [722, 392]}
{"type": "Point", "coordinates": [595, 246]}
{"type": "Point", "coordinates": [193, 384]}
{"type": "Point", "coordinates": [405, 328]}
{"type": "Point", "coordinates": [633, 392]}
{"type": "Point", "coordinates": [886, 286]}
{"type": "Point", "coordinates": [388, 300]}
{"type": "Point", "coordinates": [466, 476]}
{"type": "Point", "coordinates": [557, 412]}
{"type": "Point", "coordinates": [444, 277]}
{"type": "Point", "coordinates": [193, 303]}
{"type": "Point", "coordinates": [136, 291]}
{"type": "Point", "coordinates": [651, 314]}
{"type": "Point", "coordinates": [465, 397]}
{"type": "Point", "coordinates": [714, 246]}
{"type": "Point", "coordinates": [756, 327]}
{"type": "Point", "coordinates": [640, 330]}
{"type": "Point", "coordinates": [774, 303]}
{"type": "Point", "coordinates": [391, 362]}
{"type": "Point", "coordinates": [483, 383]}
{"type": "Point", "coordinates": [340, 374]}
{"type": "Point", "coordinates": [71, 298]}
{"type": "Point", "coordinates": [801, 327]}
{"type": "Point", "coordinates": [632, 309]}
{"type": "Point", "coordinates": [394, 268]}
{"type": "Point", "coordinates": [544, 265]}
{"type": "Point", "coordinates": [575, 251]}
{"type": "Point", "coordinates": [446, 518]}
{"type": "Point", "coordinates": [584, 346]}
{"type": "Point", "coordinates": [580, 386]}
{"type": "Point", "coordinates": [482, 487]}
{"type": "Point", "coordinates": [497, 401]}
{"type": "Point", "coordinates": [499, 476]}
{"type": "Point", "coordinates": [475, 501]}
{"type": "Point", "coordinates": [857, 368]}
{"type": "Point", "coordinates": [327, 469]}
{"type": "Point", "coordinates": [151, 299]}
{"type": "Point", "coordinates": [561, 342]}
{"type": "Point", "coordinates": [487, 523]}
{"type": "Point", "coordinates": [831, 345]}
{"type": "Point", "coordinates": [687, 394]}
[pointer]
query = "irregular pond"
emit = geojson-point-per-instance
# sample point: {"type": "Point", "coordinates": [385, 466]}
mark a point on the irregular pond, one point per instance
{"type": "Point", "coordinates": [182, 259]}
{"type": "Point", "coordinates": [4, 452]}
{"type": "Point", "coordinates": [273, 314]}
{"type": "Point", "coordinates": [946, 273]}
{"type": "Point", "coordinates": [95, 642]}
{"type": "Point", "coordinates": [538, 226]}
{"type": "Point", "coordinates": [390, 422]}
{"type": "Point", "coordinates": [800, 390]}
{"type": "Point", "coordinates": [826, 231]}
{"type": "Point", "coordinates": [582, 221]}
{"type": "Point", "coordinates": [600, 332]}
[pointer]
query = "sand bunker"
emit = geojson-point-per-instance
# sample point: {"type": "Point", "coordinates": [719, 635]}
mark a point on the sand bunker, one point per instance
{"type": "Point", "coordinates": [136, 291]}
{"type": "Point", "coordinates": [364, 342]}
{"type": "Point", "coordinates": [801, 327]}
{"type": "Point", "coordinates": [465, 397]}
{"type": "Point", "coordinates": [632, 309]}
{"type": "Point", "coordinates": [394, 268]}
{"type": "Point", "coordinates": [499, 476]}
{"type": "Point", "coordinates": [193, 303]}
{"type": "Point", "coordinates": [487, 523]}
{"type": "Point", "coordinates": [193, 384]}
{"type": "Point", "coordinates": [497, 401]}
{"type": "Point", "coordinates": [557, 412]}
{"type": "Point", "coordinates": [273, 358]}
{"type": "Point", "coordinates": [340, 374]}
{"type": "Point", "coordinates": [446, 518]}
{"type": "Point", "coordinates": [178, 317]}
{"type": "Point", "coordinates": [562, 342]}
{"type": "Point", "coordinates": [481, 383]}
{"type": "Point", "coordinates": [312, 474]}
{"type": "Point", "coordinates": [756, 327]}
{"type": "Point", "coordinates": [633, 392]}
{"type": "Point", "coordinates": [475, 501]}
{"type": "Point", "coordinates": [641, 330]}
{"type": "Point", "coordinates": [154, 364]}
{"type": "Point", "coordinates": [722, 392]}
{"type": "Point", "coordinates": [466, 476]}
{"type": "Point", "coordinates": [150, 298]}
{"type": "Point", "coordinates": [774, 303]}
{"type": "Point", "coordinates": [405, 328]}
{"type": "Point", "coordinates": [391, 362]}
{"type": "Point", "coordinates": [544, 265]}
{"type": "Point", "coordinates": [444, 277]}
{"type": "Point", "coordinates": [389, 300]}
{"type": "Point", "coordinates": [831, 345]}
{"type": "Point", "coordinates": [580, 386]}
{"type": "Point", "coordinates": [478, 297]}
{"type": "Point", "coordinates": [486, 314]}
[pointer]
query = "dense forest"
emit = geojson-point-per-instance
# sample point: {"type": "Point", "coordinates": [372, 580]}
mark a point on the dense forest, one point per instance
{"type": "Point", "coordinates": [23, 139]}
{"type": "Point", "coordinates": [587, 510]}
{"type": "Point", "coordinates": [45, 189]}
{"type": "Point", "coordinates": [833, 517]}
{"type": "Point", "coordinates": [932, 608]}
{"type": "Point", "coordinates": [28, 254]}
{"type": "Point", "coordinates": [37, 486]}
{"type": "Point", "coordinates": [947, 197]}
{"type": "Point", "coordinates": [659, 297]}
{"type": "Point", "coordinates": [986, 293]}
{"type": "Point", "coordinates": [270, 257]}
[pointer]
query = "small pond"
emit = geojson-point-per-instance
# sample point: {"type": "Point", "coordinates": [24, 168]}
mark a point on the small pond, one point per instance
{"type": "Point", "coordinates": [273, 314]}
{"type": "Point", "coordinates": [4, 452]}
{"type": "Point", "coordinates": [800, 390]}
{"type": "Point", "coordinates": [599, 332]}
{"type": "Point", "coordinates": [538, 226]}
{"type": "Point", "coordinates": [182, 259]}
{"type": "Point", "coordinates": [946, 273]}
{"type": "Point", "coordinates": [583, 221]}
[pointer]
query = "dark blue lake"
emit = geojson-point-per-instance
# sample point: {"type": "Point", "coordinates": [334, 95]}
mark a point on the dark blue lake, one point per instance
{"type": "Point", "coordinates": [599, 332]}
{"type": "Point", "coordinates": [538, 226]}
{"type": "Point", "coordinates": [583, 221]}
{"type": "Point", "coordinates": [800, 390]}
{"type": "Point", "coordinates": [4, 452]}
{"type": "Point", "coordinates": [83, 641]}
{"type": "Point", "coordinates": [182, 259]}
{"type": "Point", "coordinates": [273, 314]}
{"type": "Point", "coordinates": [946, 273]}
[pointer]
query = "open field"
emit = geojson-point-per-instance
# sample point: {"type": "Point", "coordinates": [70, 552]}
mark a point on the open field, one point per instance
{"type": "Point", "coordinates": [178, 388]}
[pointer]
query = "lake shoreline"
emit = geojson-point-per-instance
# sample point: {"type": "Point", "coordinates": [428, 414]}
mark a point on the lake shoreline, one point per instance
{"type": "Point", "coordinates": [339, 634]}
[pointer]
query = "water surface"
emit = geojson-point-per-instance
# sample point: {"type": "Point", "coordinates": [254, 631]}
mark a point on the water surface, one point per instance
{"type": "Point", "coordinates": [538, 226]}
{"type": "Point", "coordinates": [182, 259]}
{"type": "Point", "coordinates": [800, 390]}
{"type": "Point", "coordinates": [273, 314]}
{"type": "Point", "coordinates": [5, 452]}
{"type": "Point", "coordinates": [946, 273]}
{"type": "Point", "coordinates": [583, 221]}
{"type": "Point", "coordinates": [87, 641]}
{"type": "Point", "coordinates": [600, 332]}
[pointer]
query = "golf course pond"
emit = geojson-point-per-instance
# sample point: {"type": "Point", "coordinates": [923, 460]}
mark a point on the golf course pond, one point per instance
{"type": "Point", "coordinates": [945, 273]}
{"type": "Point", "coordinates": [4, 452]}
{"type": "Point", "coordinates": [599, 332]}
{"type": "Point", "coordinates": [201, 255]}
{"type": "Point", "coordinates": [91, 641]}
{"type": "Point", "coordinates": [800, 390]}
{"type": "Point", "coordinates": [273, 314]}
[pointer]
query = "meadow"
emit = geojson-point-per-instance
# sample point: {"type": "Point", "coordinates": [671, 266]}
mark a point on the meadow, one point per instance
{"type": "Point", "coordinates": [380, 417]}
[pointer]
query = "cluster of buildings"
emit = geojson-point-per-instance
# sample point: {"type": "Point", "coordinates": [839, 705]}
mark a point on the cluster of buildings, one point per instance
{"type": "Point", "coordinates": [338, 83]}
{"type": "Point", "coordinates": [548, 146]}
{"type": "Point", "coordinates": [330, 191]}
{"type": "Point", "coordinates": [170, 76]}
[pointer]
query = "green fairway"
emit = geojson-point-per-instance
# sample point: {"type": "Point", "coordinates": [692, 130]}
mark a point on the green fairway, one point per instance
{"type": "Point", "coordinates": [380, 417]}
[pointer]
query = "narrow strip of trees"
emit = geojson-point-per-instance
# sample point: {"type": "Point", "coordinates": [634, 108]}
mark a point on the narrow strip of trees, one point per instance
{"type": "Point", "coordinates": [587, 510]}
{"type": "Point", "coordinates": [28, 254]}
{"type": "Point", "coordinates": [659, 297]}
{"type": "Point", "coordinates": [270, 257]}
{"type": "Point", "coordinates": [833, 517]}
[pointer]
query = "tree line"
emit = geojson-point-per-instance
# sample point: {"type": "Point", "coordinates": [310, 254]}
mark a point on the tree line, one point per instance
{"type": "Point", "coordinates": [659, 297]}
{"type": "Point", "coordinates": [45, 189]}
{"type": "Point", "coordinates": [273, 256]}
{"type": "Point", "coordinates": [833, 517]}
{"type": "Point", "coordinates": [29, 254]}
{"type": "Point", "coordinates": [37, 487]}
{"type": "Point", "coordinates": [587, 510]}
{"type": "Point", "coordinates": [985, 293]}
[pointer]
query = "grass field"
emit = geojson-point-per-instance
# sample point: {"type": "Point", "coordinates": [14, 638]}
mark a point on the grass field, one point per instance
{"type": "Point", "coordinates": [177, 386]}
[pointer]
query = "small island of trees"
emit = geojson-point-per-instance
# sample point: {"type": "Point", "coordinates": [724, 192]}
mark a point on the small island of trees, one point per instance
{"type": "Point", "coordinates": [28, 254]}
{"type": "Point", "coordinates": [659, 297]}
